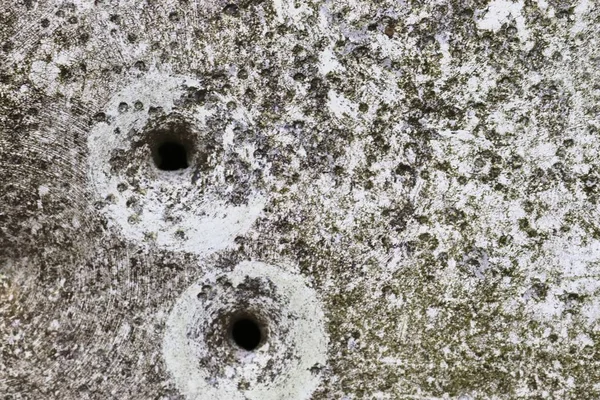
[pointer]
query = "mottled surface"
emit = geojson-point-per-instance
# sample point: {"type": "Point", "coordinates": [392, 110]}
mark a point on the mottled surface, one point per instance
{"type": "Point", "coordinates": [429, 168]}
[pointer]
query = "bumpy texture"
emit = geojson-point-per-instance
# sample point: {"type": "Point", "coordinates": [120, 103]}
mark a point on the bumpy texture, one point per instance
{"type": "Point", "coordinates": [428, 168]}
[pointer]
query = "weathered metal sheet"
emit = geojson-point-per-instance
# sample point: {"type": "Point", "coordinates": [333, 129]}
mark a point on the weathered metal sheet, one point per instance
{"type": "Point", "coordinates": [299, 199]}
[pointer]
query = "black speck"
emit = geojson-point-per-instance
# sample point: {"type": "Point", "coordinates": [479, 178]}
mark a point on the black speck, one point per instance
{"type": "Point", "coordinates": [140, 65]}
{"type": "Point", "coordinates": [64, 73]}
{"type": "Point", "coordinates": [123, 107]}
{"type": "Point", "coordinates": [7, 47]}
{"type": "Point", "coordinates": [232, 10]}
{"type": "Point", "coordinates": [155, 110]}
{"type": "Point", "coordinates": [84, 38]}
{"type": "Point", "coordinates": [100, 117]}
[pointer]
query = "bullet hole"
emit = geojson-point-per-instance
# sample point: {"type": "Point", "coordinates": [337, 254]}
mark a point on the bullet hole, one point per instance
{"type": "Point", "coordinates": [171, 156]}
{"type": "Point", "coordinates": [45, 23]}
{"type": "Point", "coordinates": [246, 333]}
{"type": "Point", "coordinates": [171, 145]}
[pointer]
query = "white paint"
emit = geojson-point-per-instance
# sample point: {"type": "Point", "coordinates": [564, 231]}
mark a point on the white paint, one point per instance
{"type": "Point", "coordinates": [44, 75]}
{"type": "Point", "coordinates": [286, 9]}
{"type": "Point", "coordinates": [445, 62]}
{"type": "Point", "coordinates": [328, 62]}
{"type": "Point", "coordinates": [499, 12]}
{"type": "Point", "coordinates": [340, 106]}
{"type": "Point", "coordinates": [43, 190]}
{"type": "Point", "coordinates": [301, 321]}
{"type": "Point", "coordinates": [580, 12]}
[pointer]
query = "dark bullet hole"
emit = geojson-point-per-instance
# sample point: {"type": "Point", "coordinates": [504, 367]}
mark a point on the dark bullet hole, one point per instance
{"type": "Point", "coordinates": [171, 144]}
{"type": "Point", "coordinates": [389, 30]}
{"type": "Point", "coordinates": [171, 156]}
{"type": "Point", "coordinates": [246, 333]}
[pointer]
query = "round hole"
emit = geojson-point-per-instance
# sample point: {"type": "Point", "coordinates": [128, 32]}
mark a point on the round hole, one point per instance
{"type": "Point", "coordinates": [171, 156]}
{"type": "Point", "coordinates": [171, 142]}
{"type": "Point", "coordinates": [246, 333]}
